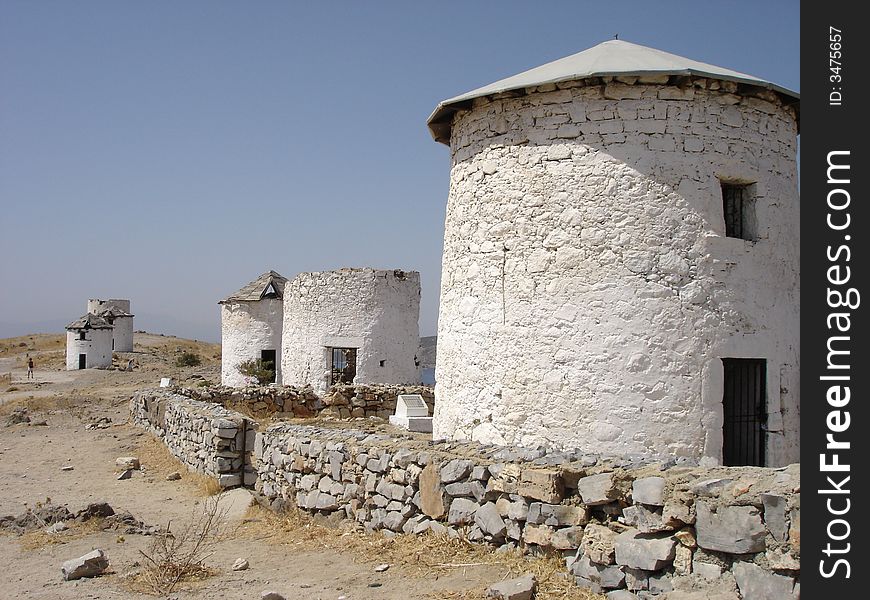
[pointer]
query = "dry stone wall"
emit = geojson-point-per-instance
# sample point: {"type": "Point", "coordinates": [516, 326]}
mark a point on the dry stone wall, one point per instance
{"type": "Point", "coordinates": [589, 290]}
{"type": "Point", "coordinates": [339, 401]}
{"type": "Point", "coordinates": [206, 437]}
{"type": "Point", "coordinates": [638, 529]}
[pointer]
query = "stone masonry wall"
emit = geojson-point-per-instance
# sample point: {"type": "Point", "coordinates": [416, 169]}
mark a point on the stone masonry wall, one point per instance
{"type": "Point", "coordinates": [589, 291]}
{"type": "Point", "coordinates": [206, 437]}
{"type": "Point", "coordinates": [339, 401]}
{"type": "Point", "coordinates": [656, 530]}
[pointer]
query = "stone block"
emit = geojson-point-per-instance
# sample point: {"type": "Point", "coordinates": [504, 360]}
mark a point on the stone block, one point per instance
{"type": "Point", "coordinates": [659, 583]}
{"type": "Point", "coordinates": [649, 490]}
{"type": "Point", "coordinates": [461, 511]}
{"type": "Point", "coordinates": [644, 551]}
{"type": "Point", "coordinates": [732, 529]}
{"type": "Point", "coordinates": [706, 570]}
{"type": "Point", "coordinates": [541, 535]}
{"type": "Point", "coordinates": [636, 579]}
{"type": "Point", "coordinates": [229, 480]}
{"type": "Point", "coordinates": [88, 565]}
{"type": "Point", "coordinates": [487, 518]}
{"type": "Point", "coordinates": [756, 583]}
{"type": "Point", "coordinates": [556, 515]}
{"type": "Point", "coordinates": [567, 538]}
{"type": "Point", "coordinates": [326, 502]}
{"type": "Point", "coordinates": [605, 576]}
{"type": "Point", "coordinates": [683, 560]}
{"type": "Point", "coordinates": [545, 485]}
{"type": "Point", "coordinates": [467, 488]}
{"type": "Point", "coordinates": [598, 543]}
{"type": "Point", "coordinates": [455, 470]}
{"type": "Point", "coordinates": [432, 499]}
{"type": "Point", "coordinates": [774, 515]}
{"type": "Point", "coordinates": [643, 519]}
{"type": "Point", "coordinates": [393, 521]}
{"type": "Point", "coordinates": [597, 489]}
{"type": "Point", "coordinates": [521, 588]}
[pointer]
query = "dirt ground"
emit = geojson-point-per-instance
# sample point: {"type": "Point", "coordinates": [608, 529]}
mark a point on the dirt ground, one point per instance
{"type": "Point", "coordinates": [303, 559]}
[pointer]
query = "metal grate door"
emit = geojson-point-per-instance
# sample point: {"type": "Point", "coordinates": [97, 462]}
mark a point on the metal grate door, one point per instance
{"type": "Point", "coordinates": [745, 407]}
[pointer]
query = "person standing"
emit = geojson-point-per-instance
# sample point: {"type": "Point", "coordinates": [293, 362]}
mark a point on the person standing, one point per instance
{"type": "Point", "coordinates": [30, 367]}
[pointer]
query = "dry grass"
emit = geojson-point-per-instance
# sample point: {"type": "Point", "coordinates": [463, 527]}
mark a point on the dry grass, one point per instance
{"type": "Point", "coordinates": [419, 555]}
{"type": "Point", "coordinates": [37, 342]}
{"type": "Point", "coordinates": [155, 457]}
{"type": "Point", "coordinates": [39, 538]}
{"type": "Point", "coordinates": [42, 404]}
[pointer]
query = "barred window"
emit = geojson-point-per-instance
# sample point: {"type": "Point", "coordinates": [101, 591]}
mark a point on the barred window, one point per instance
{"type": "Point", "coordinates": [738, 203]}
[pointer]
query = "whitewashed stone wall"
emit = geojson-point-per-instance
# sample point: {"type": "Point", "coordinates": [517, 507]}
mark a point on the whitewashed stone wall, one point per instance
{"type": "Point", "coordinates": [206, 437]}
{"type": "Point", "coordinates": [375, 311]}
{"type": "Point", "coordinates": [588, 289]}
{"type": "Point", "coordinates": [247, 328]}
{"type": "Point", "coordinates": [122, 333]}
{"type": "Point", "coordinates": [97, 345]}
{"type": "Point", "coordinates": [641, 527]}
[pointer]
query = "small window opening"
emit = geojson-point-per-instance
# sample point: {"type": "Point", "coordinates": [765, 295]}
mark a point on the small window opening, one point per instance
{"type": "Point", "coordinates": [342, 365]}
{"type": "Point", "coordinates": [383, 362]}
{"type": "Point", "coordinates": [81, 335]}
{"type": "Point", "coordinates": [738, 204]}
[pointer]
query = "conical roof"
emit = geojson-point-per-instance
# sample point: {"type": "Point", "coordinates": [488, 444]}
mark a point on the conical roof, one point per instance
{"type": "Point", "coordinates": [269, 284]}
{"type": "Point", "coordinates": [89, 321]}
{"type": "Point", "coordinates": [611, 58]}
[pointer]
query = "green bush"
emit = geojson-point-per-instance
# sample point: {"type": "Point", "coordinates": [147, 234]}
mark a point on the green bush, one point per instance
{"type": "Point", "coordinates": [263, 372]}
{"type": "Point", "coordinates": [188, 359]}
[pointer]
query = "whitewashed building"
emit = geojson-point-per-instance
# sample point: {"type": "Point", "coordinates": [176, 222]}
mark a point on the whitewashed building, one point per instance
{"type": "Point", "coordinates": [621, 260]}
{"type": "Point", "coordinates": [351, 326]}
{"type": "Point", "coordinates": [116, 312]}
{"type": "Point", "coordinates": [252, 320]}
{"type": "Point", "coordinates": [88, 343]}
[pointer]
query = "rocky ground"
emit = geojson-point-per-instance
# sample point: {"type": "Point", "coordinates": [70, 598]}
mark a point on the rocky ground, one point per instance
{"type": "Point", "coordinates": [60, 436]}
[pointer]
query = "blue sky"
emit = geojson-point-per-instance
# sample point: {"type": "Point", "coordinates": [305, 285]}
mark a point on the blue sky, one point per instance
{"type": "Point", "coordinates": [170, 152]}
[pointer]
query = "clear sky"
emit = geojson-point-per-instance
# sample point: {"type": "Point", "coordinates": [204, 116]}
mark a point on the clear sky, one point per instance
{"type": "Point", "coordinates": [169, 152]}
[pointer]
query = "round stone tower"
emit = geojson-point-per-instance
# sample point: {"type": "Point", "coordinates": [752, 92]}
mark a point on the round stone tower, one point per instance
{"type": "Point", "coordinates": [351, 326]}
{"type": "Point", "coordinates": [621, 260]}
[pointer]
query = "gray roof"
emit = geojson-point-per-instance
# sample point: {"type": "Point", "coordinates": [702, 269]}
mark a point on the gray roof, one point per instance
{"type": "Point", "coordinates": [113, 312]}
{"type": "Point", "coordinates": [89, 321]}
{"type": "Point", "coordinates": [257, 289]}
{"type": "Point", "coordinates": [611, 58]}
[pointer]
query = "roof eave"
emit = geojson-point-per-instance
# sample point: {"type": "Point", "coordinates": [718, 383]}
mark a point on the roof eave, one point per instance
{"type": "Point", "coordinates": [440, 121]}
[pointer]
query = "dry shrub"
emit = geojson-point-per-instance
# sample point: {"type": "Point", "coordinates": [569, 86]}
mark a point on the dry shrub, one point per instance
{"type": "Point", "coordinates": [419, 555]}
{"type": "Point", "coordinates": [156, 457]}
{"type": "Point", "coordinates": [174, 557]}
